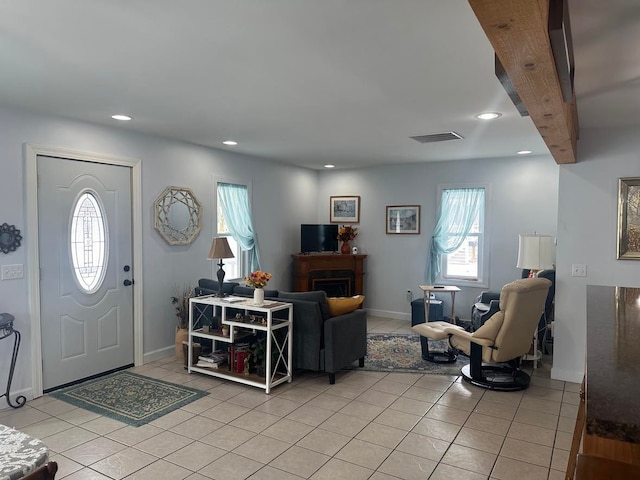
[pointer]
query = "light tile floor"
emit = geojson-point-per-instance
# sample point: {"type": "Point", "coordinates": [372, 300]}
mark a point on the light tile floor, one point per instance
{"type": "Point", "coordinates": [369, 425]}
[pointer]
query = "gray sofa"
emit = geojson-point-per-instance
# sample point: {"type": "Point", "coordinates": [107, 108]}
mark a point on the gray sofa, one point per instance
{"type": "Point", "coordinates": [320, 342]}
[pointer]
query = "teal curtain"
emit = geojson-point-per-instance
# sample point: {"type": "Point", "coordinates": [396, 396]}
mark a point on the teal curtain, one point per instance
{"type": "Point", "coordinates": [234, 202]}
{"type": "Point", "coordinates": [456, 213]}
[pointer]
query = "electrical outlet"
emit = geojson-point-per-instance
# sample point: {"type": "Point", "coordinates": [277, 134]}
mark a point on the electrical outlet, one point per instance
{"type": "Point", "coordinates": [578, 270]}
{"type": "Point", "coordinates": [409, 296]}
{"type": "Point", "coordinates": [12, 272]}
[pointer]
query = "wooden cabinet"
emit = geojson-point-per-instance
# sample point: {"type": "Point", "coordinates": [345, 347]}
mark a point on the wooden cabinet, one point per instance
{"type": "Point", "coordinates": [599, 468]}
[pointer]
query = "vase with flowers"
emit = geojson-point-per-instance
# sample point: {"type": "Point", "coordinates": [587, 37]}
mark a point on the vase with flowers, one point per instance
{"type": "Point", "coordinates": [258, 280]}
{"type": "Point", "coordinates": [346, 233]}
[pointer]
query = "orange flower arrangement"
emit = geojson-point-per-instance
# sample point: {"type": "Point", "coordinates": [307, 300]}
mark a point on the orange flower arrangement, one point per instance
{"type": "Point", "coordinates": [346, 233]}
{"type": "Point", "coordinates": [257, 279]}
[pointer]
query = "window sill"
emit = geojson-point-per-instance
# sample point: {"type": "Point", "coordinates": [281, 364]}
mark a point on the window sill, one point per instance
{"type": "Point", "coordinates": [462, 283]}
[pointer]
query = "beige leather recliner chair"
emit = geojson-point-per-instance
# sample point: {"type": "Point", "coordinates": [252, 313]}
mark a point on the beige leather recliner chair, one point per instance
{"type": "Point", "coordinates": [502, 339]}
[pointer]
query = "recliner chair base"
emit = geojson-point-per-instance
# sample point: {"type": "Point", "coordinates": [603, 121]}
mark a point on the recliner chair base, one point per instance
{"type": "Point", "coordinates": [497, 377]}
{"type": "Point", "coordinates": [440, 357]}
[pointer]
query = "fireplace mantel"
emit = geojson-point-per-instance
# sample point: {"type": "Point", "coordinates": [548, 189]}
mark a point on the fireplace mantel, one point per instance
{"type": "Point", "coordinates": [311, 268]}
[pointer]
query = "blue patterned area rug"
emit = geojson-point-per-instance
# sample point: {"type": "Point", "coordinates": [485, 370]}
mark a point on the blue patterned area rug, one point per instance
{"type": "Point", "coordinates": [402, 353]}
{"type": "Point", "coordinates": [128, 397]}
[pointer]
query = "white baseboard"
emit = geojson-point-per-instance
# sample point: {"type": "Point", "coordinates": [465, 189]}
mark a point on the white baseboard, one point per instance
{"type": "Point", "coordinates": [26, 392]}
{"type": "Point", "coordinates": [398, 315]}
{"type": "Point", "coordinates": [567, 375]}
{"type": "Point", "coordinates": [159, 354]}
{"type": "Point", "coordinates": [388, 314]}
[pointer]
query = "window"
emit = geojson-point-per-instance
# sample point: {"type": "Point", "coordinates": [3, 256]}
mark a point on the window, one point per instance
{"type": "Point", "coordinates": [234, 217]}
{"type": "Point", "coordinates": [457, 250]}
{"type": "Point", "coordinates": [234, 222]}
{"type": "Point", "coordinates": [88, 242]}
{"type": "Point", "coordinates": [232, 266]}
{"type": "Point", "coordinates": [464, 263]}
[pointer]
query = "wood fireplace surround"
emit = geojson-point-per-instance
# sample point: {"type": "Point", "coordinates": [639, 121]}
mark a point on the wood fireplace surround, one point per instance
{"type": "Point", "coordinates": [337, 274]}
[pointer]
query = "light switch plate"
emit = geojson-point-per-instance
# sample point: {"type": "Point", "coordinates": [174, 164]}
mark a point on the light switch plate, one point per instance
{"type": "Point", "coordinates": [12, 272]}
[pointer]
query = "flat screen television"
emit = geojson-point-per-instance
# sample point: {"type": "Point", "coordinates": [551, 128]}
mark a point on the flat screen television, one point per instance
{"type": "Point", "coordinates": [318, 238]}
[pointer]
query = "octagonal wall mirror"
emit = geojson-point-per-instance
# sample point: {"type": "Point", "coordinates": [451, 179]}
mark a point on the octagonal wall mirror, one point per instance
{"type": "Point", "coordinates": [178, 215]}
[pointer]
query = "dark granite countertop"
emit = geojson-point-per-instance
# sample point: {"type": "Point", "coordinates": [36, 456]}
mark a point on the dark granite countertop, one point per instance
{"type": "Point", "coordinates": [613, 363]}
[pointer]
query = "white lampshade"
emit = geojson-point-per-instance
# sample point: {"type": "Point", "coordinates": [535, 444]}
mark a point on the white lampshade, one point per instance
{"type": "Point", "coordinates": [536, 252]}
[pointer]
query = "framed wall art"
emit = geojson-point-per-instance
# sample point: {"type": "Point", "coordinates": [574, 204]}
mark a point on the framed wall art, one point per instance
{"type": "Point", "coordinates": [403, 219]}
{"type": "Point", "coordinates": [344, 209]}
{"type": "Point", "coordinates": [629, 218]}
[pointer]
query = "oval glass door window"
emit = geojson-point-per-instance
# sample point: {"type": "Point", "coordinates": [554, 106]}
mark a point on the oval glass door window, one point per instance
{"type": "Point", "coordinates": [89, 244]}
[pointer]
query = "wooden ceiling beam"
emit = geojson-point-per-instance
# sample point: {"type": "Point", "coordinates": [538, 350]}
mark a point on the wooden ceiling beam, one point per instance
{"type": "Point", "coordinates": [518, 32]}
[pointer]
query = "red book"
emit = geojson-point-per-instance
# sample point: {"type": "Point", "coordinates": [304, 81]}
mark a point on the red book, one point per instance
{"type": "Point", "coordinates": [240, 359]}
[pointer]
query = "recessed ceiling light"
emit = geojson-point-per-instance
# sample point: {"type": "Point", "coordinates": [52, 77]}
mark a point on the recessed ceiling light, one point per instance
{"type": "Point", "coordinates": [524, 152]}
{"type": "Point", "coordinates": [488, 115]}
{"type": "Point", "coordinates": [123, 118]}
{"type": "Point", "coordinates": [230, 143]}
{"type": "Point", "coordinates": [328, 165]}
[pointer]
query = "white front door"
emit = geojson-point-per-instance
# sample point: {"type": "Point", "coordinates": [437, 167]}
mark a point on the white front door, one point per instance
{"type": "Point", "coordinates": [85, 250]}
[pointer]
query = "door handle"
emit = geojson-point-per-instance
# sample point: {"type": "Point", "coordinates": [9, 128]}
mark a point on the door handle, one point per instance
{"type": "Point", "coordinates": [127, 282]}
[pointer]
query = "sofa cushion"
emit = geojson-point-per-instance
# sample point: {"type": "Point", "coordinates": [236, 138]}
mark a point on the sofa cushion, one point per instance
{"type": "Point", "coordinates": [248, 291]}
{"type": "Point", "coordinates": [342, 305]}
{"type": "Point", "coordinates": [319, 296]}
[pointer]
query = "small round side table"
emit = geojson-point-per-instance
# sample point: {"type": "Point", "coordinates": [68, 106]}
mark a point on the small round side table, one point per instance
{"type": "Point", "coordinates": [6, 330]}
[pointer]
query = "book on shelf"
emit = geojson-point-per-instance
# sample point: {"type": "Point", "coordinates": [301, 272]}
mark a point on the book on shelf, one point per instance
{"type": "Point", "coordinates": [214, 365]}
{"type": "Point", "coordinates": [215, 357]}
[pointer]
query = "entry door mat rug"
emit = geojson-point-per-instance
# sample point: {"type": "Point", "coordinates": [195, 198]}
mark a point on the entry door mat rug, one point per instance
{"type": "Point", "coordinates": [402, 353]}
{"type": "Point", "coordinates": [129, 397]}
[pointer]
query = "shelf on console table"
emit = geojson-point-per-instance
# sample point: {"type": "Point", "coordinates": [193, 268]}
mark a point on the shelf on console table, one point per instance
{"type": "Point", "coordinates": [239, 330]}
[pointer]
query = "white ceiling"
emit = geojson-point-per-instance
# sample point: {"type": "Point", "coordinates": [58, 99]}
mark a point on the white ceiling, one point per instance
{"type": "Point", "coordinates": [306, 82]}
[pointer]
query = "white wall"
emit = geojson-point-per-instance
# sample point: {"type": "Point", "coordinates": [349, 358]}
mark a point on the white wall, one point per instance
{"type": "Point", "coordinates": [587, 226]}
{"type": "Point", "coordinates": [523, 199]}
{"type": "Point", "coordinates": [283, 198]}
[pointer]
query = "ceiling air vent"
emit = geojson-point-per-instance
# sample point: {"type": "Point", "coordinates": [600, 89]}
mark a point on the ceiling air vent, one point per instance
{"type": "Point", "coordinates": [437, 137]}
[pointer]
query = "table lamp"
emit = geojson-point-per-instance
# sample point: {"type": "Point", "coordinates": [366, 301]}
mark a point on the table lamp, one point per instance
{"type": "Point", "coordinates": [220, 249]}
{"type": "Point", "coordinates": [535, 252]}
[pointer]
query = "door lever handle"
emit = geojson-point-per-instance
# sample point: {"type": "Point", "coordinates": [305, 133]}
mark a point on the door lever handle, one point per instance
{"type": "Point", "coordinates": [127, 282]}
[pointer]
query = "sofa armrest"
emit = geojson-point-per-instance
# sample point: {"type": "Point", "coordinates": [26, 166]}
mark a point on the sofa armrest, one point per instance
{"type": "Point", "coordinates": [487, 297]}
{"type": "Point", "coordinates": [345, 340]}
{"type": "Point", "coordinates": [482, 312]}
{"type": "Point", "coordinates": [307, 334]}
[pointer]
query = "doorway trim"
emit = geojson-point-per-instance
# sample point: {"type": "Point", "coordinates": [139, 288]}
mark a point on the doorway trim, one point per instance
{"type": "Point", "coordinates": [30, 153]}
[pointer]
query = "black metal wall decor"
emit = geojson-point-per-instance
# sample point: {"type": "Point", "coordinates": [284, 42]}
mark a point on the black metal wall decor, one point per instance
{"type": "Point", "coordinates": [9, 238]}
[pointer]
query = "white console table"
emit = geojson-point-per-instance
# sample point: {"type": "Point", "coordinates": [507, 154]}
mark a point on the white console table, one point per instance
{"type": "Point", "coordinates": [277, 372]}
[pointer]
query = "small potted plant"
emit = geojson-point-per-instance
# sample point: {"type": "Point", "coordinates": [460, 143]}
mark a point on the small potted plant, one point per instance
{"type": "Point", "coordinates": [206, 325]}
{"type": "Point", "coordinates": [258, 355]}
